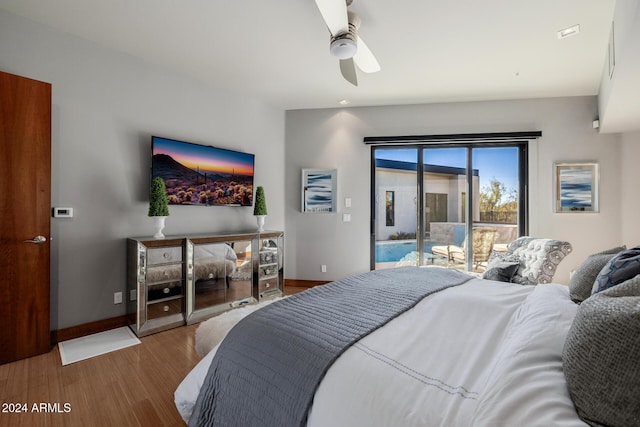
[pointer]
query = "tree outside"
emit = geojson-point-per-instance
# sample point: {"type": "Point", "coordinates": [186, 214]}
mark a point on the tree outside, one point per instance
{"type": "Point", "coordinates": [498, 203]}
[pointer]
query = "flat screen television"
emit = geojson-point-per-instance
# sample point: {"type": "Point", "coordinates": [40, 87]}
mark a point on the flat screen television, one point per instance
{"type": "Point", "coordinates": [202, 175]}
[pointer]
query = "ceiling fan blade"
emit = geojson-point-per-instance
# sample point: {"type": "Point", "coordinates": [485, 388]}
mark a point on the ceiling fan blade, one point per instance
{"type": "Point", "coordinates": [334, 13]}
{"type": "Point", "coordinates": [364, 58]}
{"type": "Point", "coordinates": [348, 70]}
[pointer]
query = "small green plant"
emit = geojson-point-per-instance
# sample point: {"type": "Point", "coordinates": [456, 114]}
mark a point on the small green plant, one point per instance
{"type": "Point", "coordinates": [260, 207]}
{"type": "Point", "coordinates": [158, 205]}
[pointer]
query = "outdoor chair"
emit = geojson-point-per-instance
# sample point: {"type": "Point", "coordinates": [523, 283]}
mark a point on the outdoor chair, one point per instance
{"type": "Point", "coordinates": [483, 240]}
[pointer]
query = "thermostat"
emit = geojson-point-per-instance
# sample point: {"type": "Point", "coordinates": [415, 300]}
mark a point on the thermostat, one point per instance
{"type": "Point", "coordinates": [63, 212]}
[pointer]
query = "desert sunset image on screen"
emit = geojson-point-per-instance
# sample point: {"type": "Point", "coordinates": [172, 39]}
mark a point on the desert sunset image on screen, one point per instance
{"type": "Point", "coordinates": [201, 175]}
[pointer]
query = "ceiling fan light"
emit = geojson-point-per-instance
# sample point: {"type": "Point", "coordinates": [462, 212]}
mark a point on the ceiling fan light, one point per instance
{"type": "Point", "coordinates": [343, 47]}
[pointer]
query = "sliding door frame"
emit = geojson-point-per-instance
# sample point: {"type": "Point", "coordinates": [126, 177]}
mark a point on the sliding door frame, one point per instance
{"type": "Point", "coordinates": [523, 176]}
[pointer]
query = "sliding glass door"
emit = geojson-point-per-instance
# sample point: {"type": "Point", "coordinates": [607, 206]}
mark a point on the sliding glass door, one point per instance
{"type": "Point", "coordinates": [444, 178]}
{"type": "Point", "coordinates": [395, 199]}
{"type": "Point", "coordinates": [448, 205]}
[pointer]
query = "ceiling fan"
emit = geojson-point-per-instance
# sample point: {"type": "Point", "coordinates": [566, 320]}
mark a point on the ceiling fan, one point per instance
{"type": "Point", "coordinates": [345, 42]}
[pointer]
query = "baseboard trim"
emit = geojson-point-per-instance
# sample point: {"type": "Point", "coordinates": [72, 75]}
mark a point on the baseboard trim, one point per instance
{"type": "Point", "coordinates": [295, 283]}
{"type": "Point", "coordinates": [120, 321]}
{"type": "Point", "coordinates": [88, 329]}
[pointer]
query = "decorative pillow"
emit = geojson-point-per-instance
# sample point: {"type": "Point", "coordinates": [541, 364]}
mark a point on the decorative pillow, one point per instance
{"type": "Point", "coordinates": [600, 357]}
{"type": "Point", "coordinates": [620, 268]}
{"type": "Point", "coordinates": [501, 267]}
{"type": "Point", "coordinates": [613, 251]}
{"type": "Point", "coordinates": [583, 278]}
{"type": "Point", "coordinates": [539, 259]}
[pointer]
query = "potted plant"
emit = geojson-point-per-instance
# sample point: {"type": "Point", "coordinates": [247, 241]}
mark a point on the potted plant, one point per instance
{"type": "Point", "coordinates": [260, 208]}
{"type": "Point", "coordinates": [158, 206]}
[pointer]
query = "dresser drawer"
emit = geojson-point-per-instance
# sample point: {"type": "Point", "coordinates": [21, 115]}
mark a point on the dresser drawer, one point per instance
{"type": "Point", "coordinates": [268, 285]}
{"type": "Point", "coordinates": [164, 290]}
{"type": "Point", "coordinates": [164, 255]}
{"type": "Point", "coordinates": [164, 273]}
{"type": "Point", "coordinates": [164, 308]}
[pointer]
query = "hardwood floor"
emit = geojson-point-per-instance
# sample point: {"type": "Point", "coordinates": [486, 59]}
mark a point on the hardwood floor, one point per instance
{"type": "Point", "coordinates": [129, 387]}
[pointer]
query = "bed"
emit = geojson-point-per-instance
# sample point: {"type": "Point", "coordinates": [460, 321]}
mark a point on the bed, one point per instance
{"type": "Point", "coordinates": [475, 353]}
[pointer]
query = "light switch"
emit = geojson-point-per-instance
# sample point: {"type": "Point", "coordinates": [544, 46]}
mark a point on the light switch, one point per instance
{"type": "Point", "coordinates": [347, 202]}
{"type": "Point", "coordinates": [346, 217]}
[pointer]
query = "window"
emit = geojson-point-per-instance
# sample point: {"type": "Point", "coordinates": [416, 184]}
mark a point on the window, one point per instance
{"type": "Point", "coordinates": [390, 217]}
{"type": "Point", "coordinates": [435, 198]}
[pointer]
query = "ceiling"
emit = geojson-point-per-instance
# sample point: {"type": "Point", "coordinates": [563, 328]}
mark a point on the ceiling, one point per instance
{"type": "Point", "coordinates": [278, 50]}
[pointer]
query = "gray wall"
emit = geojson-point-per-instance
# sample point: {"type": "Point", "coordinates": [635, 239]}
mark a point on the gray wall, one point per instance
{"type": "Point", "coordinates": [630, 203]}
{"type": "Point", "coordinates": [106, 105]}
{"type": "Point", "coordinates": [333, 138]}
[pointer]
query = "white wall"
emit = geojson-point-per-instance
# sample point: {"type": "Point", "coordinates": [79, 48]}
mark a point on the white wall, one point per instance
{"type": "Point", "coordinates": [333, 138]}
{"type": "Point", "coordinates": [106, 106]}
{"type": "Point", "coordinates": [619, 94]}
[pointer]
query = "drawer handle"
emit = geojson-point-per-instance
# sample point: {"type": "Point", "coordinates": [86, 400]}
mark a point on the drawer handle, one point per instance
{"type": "Point", "coordinates": [166, 290]}
{"type": "Point", "coordinates": [166, 273]}
{"type": "Point", "coordinates": [165, 308]}
{"type": "Point", "coordinates": [267, 285]}
{"type": "Point", "coordinates": [166, 254]}
{"type": "Point", "coordinates": [210, 275]}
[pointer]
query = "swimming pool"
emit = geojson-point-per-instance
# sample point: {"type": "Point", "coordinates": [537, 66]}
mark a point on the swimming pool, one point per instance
{"type": "Point", "coordinates": [391, 251]}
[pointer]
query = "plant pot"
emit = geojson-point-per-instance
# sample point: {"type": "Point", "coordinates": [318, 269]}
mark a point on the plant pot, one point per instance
{"type": "Point", "coordinates": [158, 226]}
{"type": "Point", "coordinates": [260, 219]}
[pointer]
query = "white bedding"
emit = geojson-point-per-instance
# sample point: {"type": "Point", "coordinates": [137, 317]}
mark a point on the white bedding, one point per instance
{"type": "Point", "coordinates": [481, 354]}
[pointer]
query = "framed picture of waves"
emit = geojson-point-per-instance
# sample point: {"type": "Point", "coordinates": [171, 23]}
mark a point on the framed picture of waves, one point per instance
{"type": "Point", "coordinates": [576, 187]}
{"type": "Point", "coordinates": [319, 190]}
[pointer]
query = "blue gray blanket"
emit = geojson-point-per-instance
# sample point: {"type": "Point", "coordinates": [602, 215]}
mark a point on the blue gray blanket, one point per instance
{"type": "Point", "coordinates": [267, 369]}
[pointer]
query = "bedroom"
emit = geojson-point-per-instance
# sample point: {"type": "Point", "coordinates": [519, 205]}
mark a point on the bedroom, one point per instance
{"type": "Point", "coordinates": [108, 103]}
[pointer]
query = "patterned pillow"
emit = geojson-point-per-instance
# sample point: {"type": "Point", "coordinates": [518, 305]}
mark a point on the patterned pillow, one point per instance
{"type": "Point", "coordinates": [620, 268]}
{"type": "Point", "coordinates": [501, 267]}
{"type": "Point", "coordinates": [539, 259]}
{"type": "Point", "coordinates": [583, 278]}
{"type": "Point", "coordinates": [600, 357]}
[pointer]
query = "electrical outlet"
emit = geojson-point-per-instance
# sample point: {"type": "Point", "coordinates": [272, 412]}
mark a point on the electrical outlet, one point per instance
{"type": "Point", "coordinates": [323, 268]}
{"type": "Point", "coordinates": [117, 298]}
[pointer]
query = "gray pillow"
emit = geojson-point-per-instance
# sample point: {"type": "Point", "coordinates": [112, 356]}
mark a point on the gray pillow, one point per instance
{"type": "Point", "coordinates": [620, 268]}
{"type": "Point", "coordinates": [501, 268]}
{"type": "Point", "coordinates": [614, 251]}
{"type": "Point", "coordinates": [600, 357]}
{"type": "Point", "coordinates": [582, 280]}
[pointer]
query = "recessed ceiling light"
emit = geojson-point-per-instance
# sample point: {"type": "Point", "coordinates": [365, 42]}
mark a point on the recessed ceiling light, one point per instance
{"type": "Point", "coordinates": [571, 31]}
{"type": "Point", "coordinates": [344, 102]}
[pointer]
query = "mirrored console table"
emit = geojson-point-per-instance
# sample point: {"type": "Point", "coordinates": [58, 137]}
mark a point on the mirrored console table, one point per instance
{"type": "Point", "coordinates": [187, 279]}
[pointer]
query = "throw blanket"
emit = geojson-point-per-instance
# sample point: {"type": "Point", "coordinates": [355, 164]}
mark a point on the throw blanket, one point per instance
{"type": "Point", "coordinates": [267, 369]}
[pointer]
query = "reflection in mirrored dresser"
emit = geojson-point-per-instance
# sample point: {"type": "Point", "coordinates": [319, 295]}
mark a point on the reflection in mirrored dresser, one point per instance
{"type": "Point", "coordinates": [187, 279]}
{"type": "Point", "coordinates": [155, 284]}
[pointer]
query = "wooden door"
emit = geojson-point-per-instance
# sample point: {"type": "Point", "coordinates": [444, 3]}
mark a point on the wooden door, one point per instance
{"type": "Point", "coordinates": [25, 210]}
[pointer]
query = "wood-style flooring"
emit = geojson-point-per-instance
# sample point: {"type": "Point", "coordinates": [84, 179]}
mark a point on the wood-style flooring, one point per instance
{"type": "Point", "coordinates": [129, 387]}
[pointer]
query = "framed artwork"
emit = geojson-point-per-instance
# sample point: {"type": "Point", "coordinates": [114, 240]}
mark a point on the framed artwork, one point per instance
{"type": "Point", "coordinates": [319, 190]}
{"type": "Point", "coordinates": [576, 187]}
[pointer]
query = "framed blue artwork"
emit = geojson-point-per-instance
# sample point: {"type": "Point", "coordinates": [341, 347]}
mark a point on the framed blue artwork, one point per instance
{"type": "Point", "coordinates": [576, 187]}
{"type": "Point", "coordinates": [319, 188]}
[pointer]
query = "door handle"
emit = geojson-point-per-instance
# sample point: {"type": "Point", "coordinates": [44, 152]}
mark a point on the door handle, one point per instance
{"type": "Point", "coordinates": [38, 240]}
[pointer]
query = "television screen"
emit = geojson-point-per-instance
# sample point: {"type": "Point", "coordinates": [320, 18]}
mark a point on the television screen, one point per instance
{"type": "Point", "coordinates": [202, 175]}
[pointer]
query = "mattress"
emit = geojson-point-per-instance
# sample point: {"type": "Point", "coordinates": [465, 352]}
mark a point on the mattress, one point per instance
{"type": "Point", "coordinates": [484, 353]}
